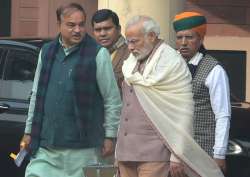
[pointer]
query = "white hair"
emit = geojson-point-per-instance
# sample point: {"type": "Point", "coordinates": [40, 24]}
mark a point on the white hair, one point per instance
{"type": "Point", "coordinates": [149, 24]}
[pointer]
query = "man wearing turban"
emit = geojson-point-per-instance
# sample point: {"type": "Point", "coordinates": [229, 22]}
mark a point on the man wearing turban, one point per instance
{"type": "Point", "coordinates": [209, 84]}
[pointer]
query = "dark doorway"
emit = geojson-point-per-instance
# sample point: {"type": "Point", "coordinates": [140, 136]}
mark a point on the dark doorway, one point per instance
{"type": "Point", "coordinates": [5, 12]}
{"type": "Point", "coordinates": [234, 63]}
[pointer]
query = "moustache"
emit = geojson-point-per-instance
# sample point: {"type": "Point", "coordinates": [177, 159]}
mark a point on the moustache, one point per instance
{"type": "Point", "coordinates": [183, 48]}
{"type": "Point", "coordinates": [77, 34]}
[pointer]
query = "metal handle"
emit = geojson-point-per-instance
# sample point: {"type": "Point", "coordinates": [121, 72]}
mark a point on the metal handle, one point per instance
{"type": "Point", "coordinates": [4, 107]}
{"type": "Point", "coordinates": [100, 166]}
{"type": "Point", "coordinates": [234, 148]}
{"type": "Point", "coordinates": [97, 167]}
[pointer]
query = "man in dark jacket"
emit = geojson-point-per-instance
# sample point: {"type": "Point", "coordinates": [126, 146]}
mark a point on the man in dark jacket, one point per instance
{"type": "Point", "coordinates": [75, 104]}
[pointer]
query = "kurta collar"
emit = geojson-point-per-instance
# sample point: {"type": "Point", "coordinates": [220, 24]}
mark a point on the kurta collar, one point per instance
{"type": "Point", "coordinates": [196, 59]}
{"type": "Point", "coordinates": [68, 50]}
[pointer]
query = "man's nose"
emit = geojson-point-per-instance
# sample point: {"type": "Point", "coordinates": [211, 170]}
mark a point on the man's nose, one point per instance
{"type": "Point", "coordinates": [131, 47]}
{"type": "Point", "coordinates": [183, 41]}
{"type": "Point", "coordinates": [103, 32]}
{"type": "Point", "coordinates": [77, 29]}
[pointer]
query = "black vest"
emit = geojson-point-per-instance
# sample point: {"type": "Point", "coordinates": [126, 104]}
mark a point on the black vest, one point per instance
{"type": "Point", "coordinates": [87, 101]}
{"type": "Point", "coordinates": [204, 118]}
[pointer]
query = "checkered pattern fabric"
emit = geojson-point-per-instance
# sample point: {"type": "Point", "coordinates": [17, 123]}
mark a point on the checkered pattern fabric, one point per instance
{"type": "Point", "coordinates": [204, 119]}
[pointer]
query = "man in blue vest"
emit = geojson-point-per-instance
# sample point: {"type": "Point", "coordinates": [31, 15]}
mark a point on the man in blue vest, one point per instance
{"type": "Point", "coordinates": [75, 104]}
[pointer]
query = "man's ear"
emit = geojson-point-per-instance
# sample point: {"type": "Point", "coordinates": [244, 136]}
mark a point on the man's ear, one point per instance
{"type": "Point", "coordinates": [152, 36]}
{"type": "Point", "coordinates": [58, 24]}
{"type": "Point", "coordinates": [201, 41]}
{"type": "Point", "coordinates": [119, 28]}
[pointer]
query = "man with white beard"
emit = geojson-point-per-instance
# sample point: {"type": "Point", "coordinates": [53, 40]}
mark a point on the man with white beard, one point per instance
{"type": "Point", "coordinates": [155, 133]}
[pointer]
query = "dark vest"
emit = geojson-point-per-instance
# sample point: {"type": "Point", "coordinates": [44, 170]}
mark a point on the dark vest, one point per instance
{"type": "Point", "coordinates": [86, 115]}
{"type": "Point", "coordinates": [204, 118]}
{"type": "Point", "coordinates": [122, 54]}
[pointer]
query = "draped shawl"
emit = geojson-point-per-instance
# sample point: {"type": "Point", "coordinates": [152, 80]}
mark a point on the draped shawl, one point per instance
{"type": "Point", "coordinates": [164, 92]}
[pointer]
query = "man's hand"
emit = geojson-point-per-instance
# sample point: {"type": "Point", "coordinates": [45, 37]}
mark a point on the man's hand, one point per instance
{"type": "Point", "coordinates": [25, 142]}
{"type": "Point", "coordinates": [177, 170]}
{"type": "Point", "coordinates": [108, 147]}
{"type": "Point", "coordinates": [222, 164]}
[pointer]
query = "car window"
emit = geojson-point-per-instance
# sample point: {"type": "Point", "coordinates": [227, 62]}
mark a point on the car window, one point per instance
{"type": "Point", "coordinates": [20, 65]}
{"type": "Point", "coordinates": [18, 74]}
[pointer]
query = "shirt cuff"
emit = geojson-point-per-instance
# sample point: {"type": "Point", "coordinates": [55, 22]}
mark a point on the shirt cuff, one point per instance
{"type": "Point", "coordinates": [27, 129]}
{"type": "Point", "coordinates": [220, 153]}
{"type": "Point", "coordinates": [111, 133]}
{"type": "Point", "coordinates": [219, 156]}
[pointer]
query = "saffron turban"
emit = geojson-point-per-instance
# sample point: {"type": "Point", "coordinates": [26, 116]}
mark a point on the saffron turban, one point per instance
{"type": "Point", "coordinates": [190, 21]}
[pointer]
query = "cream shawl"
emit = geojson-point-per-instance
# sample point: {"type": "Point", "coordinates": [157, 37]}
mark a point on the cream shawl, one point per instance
{"type": "Point", "coordinates": [164, 92]}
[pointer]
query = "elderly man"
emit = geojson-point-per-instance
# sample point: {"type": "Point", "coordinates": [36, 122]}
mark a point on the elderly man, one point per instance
{"type": "Point", "coordinates": [155, 134]}
{"type": "Point", "coordinates": [210, 87]}
{"type": "Point", "coordinates": [107, 32]}
{"type": "Point", "coordinates": [75, 105]}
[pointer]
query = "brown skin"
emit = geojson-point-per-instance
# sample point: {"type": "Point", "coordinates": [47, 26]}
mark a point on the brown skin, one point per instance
{"type": "Point", "coordinates": [25, 142]}
{"type": "Point", "coordinates": [72, 30]}
{"type": "Point", "coordinates": [188, 43]}
{"type": "Point", "coordinates": [222, 164]}
{"type": "Point", "coordinates": [140, 44]}
{"type": "Point", "coordinates": [106, 33]}
{"type": "Point", "coordinates": [108, 148]}
{"type": "Point", "coordinates": [177, 170]}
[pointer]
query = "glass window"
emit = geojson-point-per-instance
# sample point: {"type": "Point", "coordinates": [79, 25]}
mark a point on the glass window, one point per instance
{"type": "Point", "coordinates": [20, 65]}
{"type": "Point", "coordinates": [18, 74]}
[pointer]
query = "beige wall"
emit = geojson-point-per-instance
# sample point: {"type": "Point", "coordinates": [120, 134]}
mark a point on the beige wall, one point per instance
{"type": "Point", "coordinates": [176, 6]}
{"type": "Point", "coordinates": [161, 10]}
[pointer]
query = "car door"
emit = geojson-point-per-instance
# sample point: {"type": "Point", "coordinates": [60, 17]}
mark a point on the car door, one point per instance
{"type": "Point", "coordinates": [17, 68]}
{"type": "Point", "coordinates": [18, 64]}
